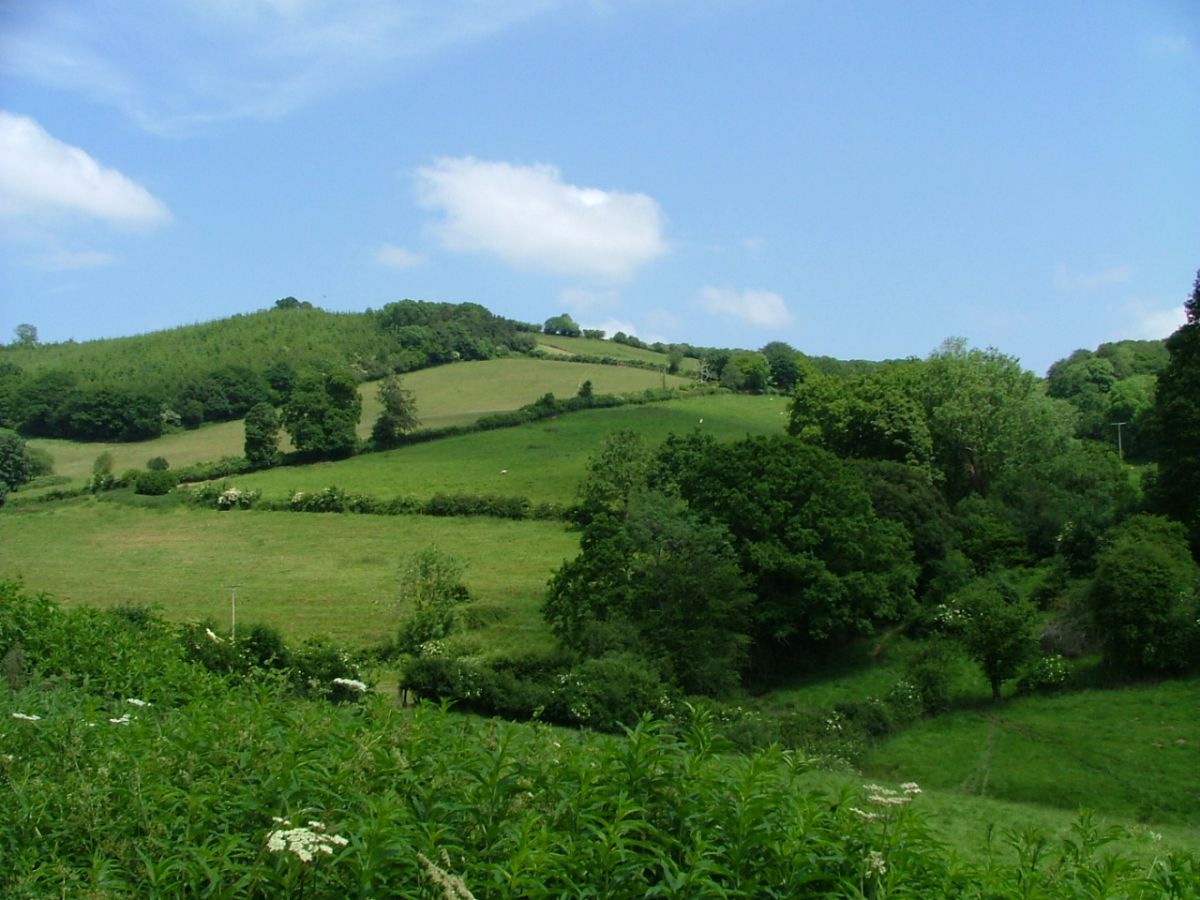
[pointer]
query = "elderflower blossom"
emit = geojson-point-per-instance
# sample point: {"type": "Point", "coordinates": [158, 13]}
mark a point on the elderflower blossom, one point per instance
{"type": "Point", "coordinates": [876, 864]}
{"type": "Point", "coordinates": [305, 843]}
{"type": "Point", "coordinates": [26, 717]}
{"type": "Point", "coordinates": [882, 796]}
{"type": "Point", "coordinates": [911, 788]}
{"type": "Point", "coordinates": [353, 683]}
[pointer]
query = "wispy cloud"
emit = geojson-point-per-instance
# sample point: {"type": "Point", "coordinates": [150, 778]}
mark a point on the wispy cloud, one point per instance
{"type": "Point", "coordinates": [70, 260]}
{"type": "Point", "coordinates": [42, 177]}
{"type": "Point", "coordinates": [530, 218]}
{"type": "Point", "coordinates": [397, 257]}
{"type": "Point", "coordinates": [1168, 45]}
{"type": "Point", "coordinates": [1066, 280]}
{"type": "Point", "coordinates": [763, 308]}
{"type": "Point", "coordinates": [1151, 320]}
{"type": "Point", "coordinates": [175, 66]}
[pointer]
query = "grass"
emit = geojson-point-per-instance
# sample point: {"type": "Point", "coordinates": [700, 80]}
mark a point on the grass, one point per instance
{"type": "Point", "coordinates": [445, 395]}
{"type": "Point", "coordinates": [307, 574]}
{"type": "Point", "coordinates": [1132, 752]}
{"type": "Point", "coordinates": [557, 344]}
{"type": "Point", "coordinates": [543, 461]}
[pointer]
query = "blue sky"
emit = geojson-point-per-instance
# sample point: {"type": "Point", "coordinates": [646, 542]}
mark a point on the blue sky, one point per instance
{"type": "Point", "coordinates": [860, 179]}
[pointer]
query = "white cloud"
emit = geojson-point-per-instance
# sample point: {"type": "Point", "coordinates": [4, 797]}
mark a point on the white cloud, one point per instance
{"type": "Point", "coordinates": [397, 257]}
{"type": "Point", "coordinates": [1151, 321]}
{"type": "Point", "coordinates": [528, 217]}
{"type": "Point", "coordinates": [1066, 280]}
{"type": "Point", "coordinates": [40, 176]}
{"type": "Point", "coordinates": [763, 308]}
{"type": "Point", "coordinates": [176, 66]}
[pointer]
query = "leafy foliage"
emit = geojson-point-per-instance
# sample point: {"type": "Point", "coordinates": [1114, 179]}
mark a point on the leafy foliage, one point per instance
{"type": "Point", "coordinates": [121, 780]}
{"type": "Point", "coordinates": [261, 445]}
{"type": "Point", "coordinates": [322, 413]}
{"type": "Point", "coordinates": [399, 414]}
{"type": "Point", "coordinates": [1178, 416]}
{"type": "Point", "coordinates": [1145, 597]}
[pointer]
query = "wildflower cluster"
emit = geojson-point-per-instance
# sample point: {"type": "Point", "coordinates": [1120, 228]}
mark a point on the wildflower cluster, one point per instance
{"type": "Point", "coordinates": [351, 683]}
{"type": "Point", "coordinates": [304, 842]}
{"type": "Point", "coordinates": [233, 498]}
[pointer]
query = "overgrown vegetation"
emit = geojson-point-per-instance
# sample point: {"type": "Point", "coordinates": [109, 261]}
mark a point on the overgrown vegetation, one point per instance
{"type": "Point", "coordinates": [121, 778]}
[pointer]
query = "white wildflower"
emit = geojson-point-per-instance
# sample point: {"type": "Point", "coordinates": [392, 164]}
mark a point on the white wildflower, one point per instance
{"type": "Point", "coordinates": [352, 683]}
{"type": "Point", "coordinates": [911, 788]}
{"type": "Point", "coordinates": [876, 864]}
{"type": "Point", "coordinates": [124, 720]}
{"type": "Point", "coordinates": [866, 816]}
{"type": "Point", "coordinates": [133, 701]}
{"type": "Point", "coordinates": [26, 717]}
{"type": "Point", "coordinates": [212, 637]}
{"type": "Point", "coordinates": [305, 843]}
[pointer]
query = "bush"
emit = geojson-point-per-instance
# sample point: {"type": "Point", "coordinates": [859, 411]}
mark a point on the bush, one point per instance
{"type": "Point", "coordinates": [1047, 675]}
{"type": "Point", "coordinates": [154, 483]}
{"type": "Point", "coordinates": [608, 691]}
{"type": "Point", "coordinates": [158, 464]}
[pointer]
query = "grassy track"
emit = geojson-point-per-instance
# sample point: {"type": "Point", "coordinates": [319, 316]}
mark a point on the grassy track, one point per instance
{"type": "Point", "coordinates": [1132, 752]}
{"type": "Point", "coordinates": [445, 395]}
{"type": "Point", "coordinates": [308, 574]}
{"type": "Point", "coordinates": [544, 460]}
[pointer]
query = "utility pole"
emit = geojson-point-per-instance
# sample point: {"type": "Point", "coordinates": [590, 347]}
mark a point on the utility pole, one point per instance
{"type": "Point", "coordinates": [1120, 445]}
{"type": "Point", "coordinates": [233, 610]}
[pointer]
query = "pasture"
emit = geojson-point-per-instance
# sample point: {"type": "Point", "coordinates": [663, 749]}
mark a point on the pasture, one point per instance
{"type": "Point", "coordinates": [543, 461]}
{"type": "Point", "coordinates": [445, 395]}
{"type": "Point", "coordinates": [304, 573]}
{"type": "Point", "coordinates": [558, 345]}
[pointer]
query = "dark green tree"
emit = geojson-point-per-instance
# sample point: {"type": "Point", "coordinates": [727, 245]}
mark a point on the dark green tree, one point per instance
{"type": "Point", "coordinates": [1177, 411]}
{"type": "Point", "coordinates": [823, 566]}
{"type": "Point", "coordinates": [995, 627]}
{"type": "Point", "coordinates": [15, 465]}
{"type": "Point", "coordinates": [399, 412]}
{"type": "Point", "coordinates": [786, 364]}
{"type": "Point", "coordinates": [1144, 597]}
{"type": "Point", "coordinates": [562, 324]}
{"type": "Point", "coordinates": [873, 415]}
{"type": "Point", "coordinates": [670, 577]}
{"type": "Point", "coordinates": [261, 444]}
{"type": "Point", "coordinates": [322, 413]}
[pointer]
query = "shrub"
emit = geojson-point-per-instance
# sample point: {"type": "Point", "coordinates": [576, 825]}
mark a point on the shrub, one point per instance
{"type": "Point", "coordinates": [157, 464]}
{"type": "Point", "coordinates": [154, 483]}
{"type": "Point", "coordinates": [608, 691]}
{"type": "Point", "coordinates": [1046, 675]}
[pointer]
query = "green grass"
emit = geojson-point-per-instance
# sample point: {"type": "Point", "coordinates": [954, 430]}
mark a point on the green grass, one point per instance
{"type": "Point", "coordinates": [465, 391]}
{"type": "Point", "coordinates": [1132, 752]}
{"type": "Point", "coordinates": [558, 344]}
{"type": "Point", "coordinates": [307, 574]}
{"type": "Point", "coordinates": [543, 461]}
{"type": "Point", "coordinates": [445, 395]}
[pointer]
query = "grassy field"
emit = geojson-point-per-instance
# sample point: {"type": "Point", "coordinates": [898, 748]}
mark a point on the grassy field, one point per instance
{"type": "Point", "coordinates": [445, 395]}
{"type": "Point", "coordinates": [307, 574]}
{"type": "Point", "coordinates": [1131, 751]}
{"type": "Point", "coordinates": [543, 461]}
{"type": "Point", "coordinates": [558, 344]}
{"type": "Point", "coordinates": [465, 391]}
